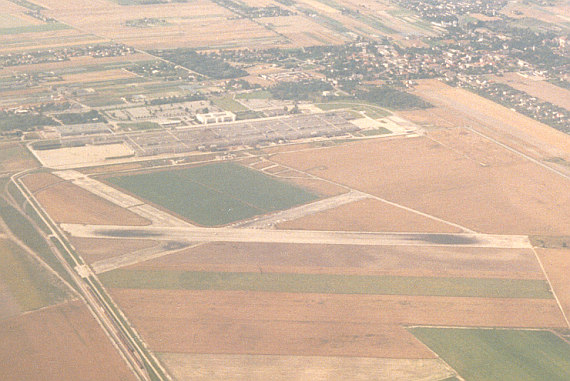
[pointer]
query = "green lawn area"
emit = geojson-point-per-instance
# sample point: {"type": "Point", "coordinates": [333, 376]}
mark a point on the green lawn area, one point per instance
{"type": "Point", "coordinates": [259, 94]}
{"type": "Point", "coordinates": [229, 104]}
{"type": "Point", "coordinates": [33, 28]}
{"type": "Point", "coordinates": [214, 194]}
{"type": "Point", "coordinates": [139, 125]}
{"type": "Point", "coordinates": [375, 132]}
{"type": "Point", "coordinates": [372, 111]}
{"type": "Point", "coordinates": [495, 354]}
{"type": "Point", "coordinates": [31, 285]}
{"type": "Point", "coordinates": [327, 283]}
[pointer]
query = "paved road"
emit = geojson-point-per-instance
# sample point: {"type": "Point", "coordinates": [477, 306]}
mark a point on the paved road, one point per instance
{"type": "Point", "coordinates": [193, 234]}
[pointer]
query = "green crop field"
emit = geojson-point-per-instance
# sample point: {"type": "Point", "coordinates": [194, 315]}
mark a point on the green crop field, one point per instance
{"type": "Point", "coordinates": [229, 104]}
{"type": "Point", "coordinates": [258, 94]}
{"type": "Point", "coordinates": [493, 354]}
{"type": "Point", "coordinates": [327, 283]}
{"type": "Point", "coordinates": [214, 194]}
{"type": "Point", "coordinates": [33, 28]}
{"type": "Point", "coordinates": [27, 282]}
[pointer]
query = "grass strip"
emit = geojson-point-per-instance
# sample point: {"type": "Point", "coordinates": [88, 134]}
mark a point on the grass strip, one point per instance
{"type": "Point", "coordinates": [328, 283]}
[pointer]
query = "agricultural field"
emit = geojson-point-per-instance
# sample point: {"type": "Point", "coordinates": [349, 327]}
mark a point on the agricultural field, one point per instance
{"type": "Point", "coordinates": [219, 193]}
{"type": "Point", "coordinates": [351, 260]}
{"type": "Point", "coordinates": [191, 24]}
{"type": "Point", "coordinates": [328, 284]}
{"type": "Point", "coordinates": [491, 354]}
{"type": "Point", "coordinates": [222, 367]}
{"type": "Point", "coordinates": [14, 157]}
{"type": "Point", "coordinates": [24, 284]}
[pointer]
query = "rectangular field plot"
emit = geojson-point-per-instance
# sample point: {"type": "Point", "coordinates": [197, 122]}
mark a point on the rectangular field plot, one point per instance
{"type": "Point", "coordinates": [24, 284]}
{"type": "Point", "coordinates": [214, 194]}
{"type": "Point", "coordinates": [488, 354]}
{"type": "Point", "coordinates": [328, 284]}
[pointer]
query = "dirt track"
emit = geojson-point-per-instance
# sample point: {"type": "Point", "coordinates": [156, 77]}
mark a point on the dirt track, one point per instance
{"type": "Point", "coordinates": [361, 260]}
{"type": "Point", "coordinates": [58, 343]}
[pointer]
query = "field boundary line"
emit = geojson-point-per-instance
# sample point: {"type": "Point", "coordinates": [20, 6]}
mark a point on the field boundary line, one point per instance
{"type": "Point", "coordinates": [136, 257]}
{"type": "Point", "coordinates": [551, 288]}
{"type": "Point", "coordinates": [463, 228]}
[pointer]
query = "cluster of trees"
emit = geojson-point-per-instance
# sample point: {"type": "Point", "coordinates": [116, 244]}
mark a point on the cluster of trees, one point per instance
{"type": "Point", "coordinates": [204, 64]}
{"type": "Point", "coordinates": [176, 99]}
{"type": "Point", "coordinates": [25, 122]}
{"type": "Point", "coordinates": [389, 97]}
{"type": "Point", "coordinates": [92, 116]}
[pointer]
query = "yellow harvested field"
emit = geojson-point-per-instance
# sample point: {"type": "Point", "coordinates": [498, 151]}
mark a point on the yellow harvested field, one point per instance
{"type": "Point", "coordinates": [466, 179]}
{"type": "Point", "coordinates": [368, 215]}
{"type": "Point", "coordinates": [538, 88]}
{"type": "Point", "coordinates": [223, 367]}
{"type": "Point", "coordinates": [354, 260]}
{"type": "Point", "coordinates": [495, 117]}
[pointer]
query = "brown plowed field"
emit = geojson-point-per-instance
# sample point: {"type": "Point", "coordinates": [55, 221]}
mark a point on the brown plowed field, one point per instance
{"type": "Point", "coordinates": [369, 215]}
{"type": "Point", "coordinates": [58, 343]}
{"type": "Point", "coordinates": [361, 260]}
{"type": "Point", "coordinates": [312, 324]}
{"type": "Point", "coordinates": [94, 249]}
{"type": "Point", "coordinates": [68, 203]}
{"type": "Point", "coordinates": [556, 263]}
{"type": "Point", "coordinates": [514, 196]}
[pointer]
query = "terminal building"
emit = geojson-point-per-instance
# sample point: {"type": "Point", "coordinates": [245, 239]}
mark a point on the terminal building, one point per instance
{"type": "Point", "coordinates": [216, 117]}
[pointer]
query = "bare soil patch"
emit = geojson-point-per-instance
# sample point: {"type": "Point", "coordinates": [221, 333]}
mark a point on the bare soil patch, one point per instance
{"type": "Point", "coordinates": [41, 180]}
{"type": "Point", "coordinates": [94, 249]}
{"type": "Point", "coordinates": [58, 343]}
{"type": "Point", "coordinates": [68, 203]}
{"type": "Point", "coordinates": [358, 260]}
{"type": "Point", "coordinates": [508, 195]}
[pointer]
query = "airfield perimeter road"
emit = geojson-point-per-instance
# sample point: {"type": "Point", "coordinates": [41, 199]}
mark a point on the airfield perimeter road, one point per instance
{"type": "Point", "coordinates": [194, 234]}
